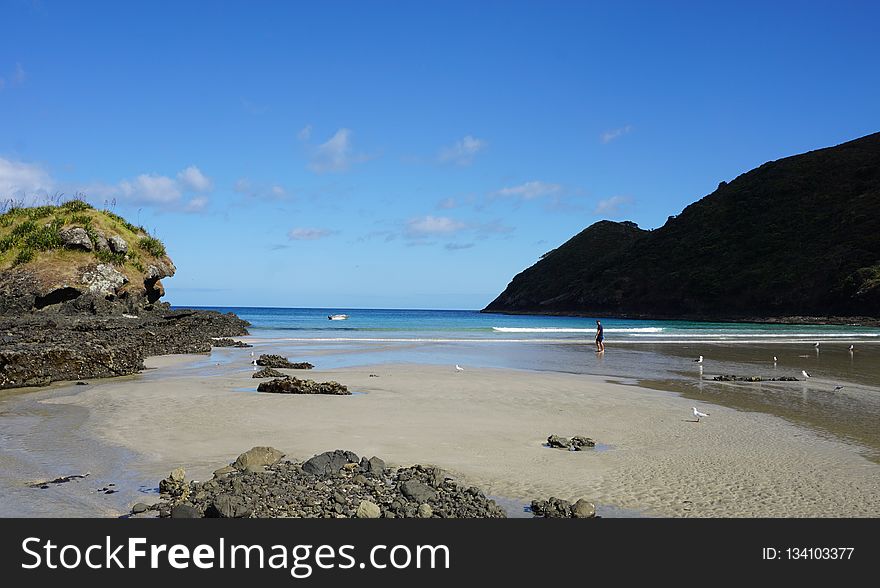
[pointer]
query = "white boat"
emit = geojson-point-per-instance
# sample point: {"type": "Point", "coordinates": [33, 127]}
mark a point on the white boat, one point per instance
{"type": "Point", "coordinates": [337, 317]}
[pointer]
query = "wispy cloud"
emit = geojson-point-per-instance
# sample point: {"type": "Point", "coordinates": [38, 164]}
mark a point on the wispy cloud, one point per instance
{"type": "Point", "coordinates": [159, 191]}
{"type": "Point", "coordinates": [447, 204]}
{"type": "Point", "coordinates": [261, 191]}
{"type": "Point", "coordinates": [457, 246]}
{"type": "Point", "coordinates": [432, 225]}
{"type": "Point", "coordinates": [613, 134]}
{"type": "Point", "coordinates": [530, 190]}
{"type": "Point", "coordinates": [463, 151]}
{"type": "Point", "coordinates": [197, 204]}
{"type": "Point", "coordinates": [20, 180]}
{"type": "Point", "coordinates": [336, 154]}
{"type": "Point", "coordinates": [305, 133]}
{"type": "Point", "coordinates": [308, 234]}
{"type": "Point", "coordinates": [613, 205]}
{"type": "Point", "coordinates": [193, 178]}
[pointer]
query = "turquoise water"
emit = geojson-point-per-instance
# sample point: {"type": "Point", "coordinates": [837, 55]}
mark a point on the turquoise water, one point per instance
{"type": "Point", "coordinates": [379, 325]}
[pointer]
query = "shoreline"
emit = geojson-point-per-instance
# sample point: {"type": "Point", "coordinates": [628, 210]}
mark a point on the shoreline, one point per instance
{"type": "Point", "coordinates": [487, 426]}
{"type": "Point", "coordinates": [864, 321]}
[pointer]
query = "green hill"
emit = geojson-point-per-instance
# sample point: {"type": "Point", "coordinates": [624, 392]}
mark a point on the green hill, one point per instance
{"type": "Point", "coordinates": [74, 258]}
{"type": "Point", "coordinates": [799, 236]}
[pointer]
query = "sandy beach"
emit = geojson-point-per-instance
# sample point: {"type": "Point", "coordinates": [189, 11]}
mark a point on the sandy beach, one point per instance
{"type": "Point", "coordinates": [487, 427]}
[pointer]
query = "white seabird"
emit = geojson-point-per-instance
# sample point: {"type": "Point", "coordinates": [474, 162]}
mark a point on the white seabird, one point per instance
{"type": "Point", "coordinates": [816, 345]}
{"type": "Point", "coordinates": [700, 360]}
{"type": "Point", "coordinates": [699, 414]}
{"type": "Point", "coordinates": [804, 372]}
{"type": "Point", "coordinates": [458, 368]}
{"type": "Point", "coordinates": [851, 347]}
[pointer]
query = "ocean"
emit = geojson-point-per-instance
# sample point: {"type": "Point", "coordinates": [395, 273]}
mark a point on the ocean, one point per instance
{"type": "Point", "coordinates": [391, 325]}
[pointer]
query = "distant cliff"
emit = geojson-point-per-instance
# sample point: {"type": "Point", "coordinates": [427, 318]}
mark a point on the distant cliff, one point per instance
{"type": "Point", "coordinates": [799, 236]}
{"type": "Point", "coordinates": [75, 259]}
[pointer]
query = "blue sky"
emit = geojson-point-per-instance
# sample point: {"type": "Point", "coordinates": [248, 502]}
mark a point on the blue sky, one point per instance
{"type": "Point", "coordinates": [411, 154]}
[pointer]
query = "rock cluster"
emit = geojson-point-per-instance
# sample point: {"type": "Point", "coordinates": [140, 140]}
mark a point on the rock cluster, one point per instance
{"type": "Point", "coordinates": [36, 349]}
{"type": "Point", "coordinates": [278, 361]}
{"type": "Point", "coordinates": [227, 342]}
{"type": "Point", "coordinates": [576, 443]}
{"type": "Point", "coordinates": [268, 373]}
{"type": "Point", "coordinates": [729, 378]}
{"type": "Point", "coordinates": [557, 508]}
{"type": "Point", "coordinates": [334, 484]}
{"type": "Point", "coordinates": [291, 385]}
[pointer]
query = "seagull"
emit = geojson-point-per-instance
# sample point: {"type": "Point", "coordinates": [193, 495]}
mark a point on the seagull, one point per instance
{"type": "Point", "coordinates": [700, 360]}
{"type": "Point", "coordinates": [774, 359]}
{"type": "Point", "coordinates": [699, 414]}
{"type": "Point", "coordinates": [458, 368]}
{"type": "Point", "coordinates": [851, 347]}
{"type": "Point", "coordinates": [836, 388]}
{"type": "Point", "coordinates": [804, 372]}
{"type": "Point", "coordinates": [816, 345]}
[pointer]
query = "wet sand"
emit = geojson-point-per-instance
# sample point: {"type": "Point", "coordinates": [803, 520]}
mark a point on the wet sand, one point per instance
{"type": "Point", "coordinates": [486, 426]}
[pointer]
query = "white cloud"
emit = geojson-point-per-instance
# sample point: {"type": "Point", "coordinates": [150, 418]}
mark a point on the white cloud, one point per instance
{"type": "Point", "coordinates": [148, 189]}
{"type": "Point", "coordinates": [530, 190]}
{"type": "Point", "coordinates": [22, 180]}
{"type": "Point", "coordinates": [447, 203]}
{"type": "Point", "coordinates": [196, 204]}
{"type": "Point", "coordinates": [613, 134]}
{"type": "Point", "coordinates": [432, 225]}
{"type": "Point", "coordinates": [305, 133]}
{"type": "Point", "coordinates": [247, 188]}
{"type": "Point", "coordinates": [308, 234]}
{"type": "Point", "coordinates": [463, 151]}
{"type": "Point", "coordinates": [193, 179]}
{"type": "Point", "coordinates": [458, 246]}
{"type": "Point", "coordinates": [336, 155]}
{"type": "Point", "coordinates": [158, 191]}
{"type": "Point", "coordinates": [613, 205]}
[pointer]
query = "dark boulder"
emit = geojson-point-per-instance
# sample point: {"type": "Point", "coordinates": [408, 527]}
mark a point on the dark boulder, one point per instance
{"type": "Point", "coordinates": [278, 361]}
{"type": "Point", "coordinates": [292, 385]}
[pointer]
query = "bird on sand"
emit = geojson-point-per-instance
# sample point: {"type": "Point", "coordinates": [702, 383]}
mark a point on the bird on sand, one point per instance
{"type": "Point", "coordinates": [804, 372]}
{"type": "Point", "coordinates": [699, 360]}
{"type": "Point", "coordinates": [838, 388]}
{"type": "Point", "coordinates": [851, 347]}
{"type": "Point", "coordinates": [458, 368]}
{"type": "Point", "coordinates": [774, 359]}
{"type": "Point", "coordinates": [816, 345]}
{"type": "Point", "coordinates": [698, 414]}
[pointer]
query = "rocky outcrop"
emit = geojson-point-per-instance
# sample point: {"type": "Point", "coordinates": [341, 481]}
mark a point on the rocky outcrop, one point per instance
{"type": "Point", "coordinates": [36, 349]}
{"type": "Point", "coordinates": [227, 342]}
{"type": "Point", "coordinates": [291, 385]}
{"type": "Point", "coordinates": [268, 373]}
{"type": "Point", "coordinates": [337, 484]}
{"type": "Point", "coordinates": [104, 280]}
{"type": "Point", "coordinates": [279, 361]}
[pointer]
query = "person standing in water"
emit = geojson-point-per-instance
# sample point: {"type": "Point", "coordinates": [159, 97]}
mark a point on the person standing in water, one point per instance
{"type": "Point", "coordinates": [600, 337]}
